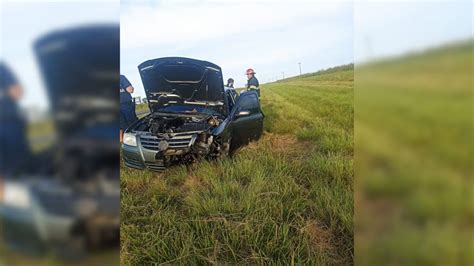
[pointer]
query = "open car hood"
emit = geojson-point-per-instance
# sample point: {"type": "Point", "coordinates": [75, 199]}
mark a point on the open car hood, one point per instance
{"type": "Point", "coordinates": [176, 81]}
{"type": "Point", "coordinates": [80, 67]}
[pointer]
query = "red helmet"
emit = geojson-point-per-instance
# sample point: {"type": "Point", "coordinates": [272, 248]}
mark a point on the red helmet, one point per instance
{"type": "Point", "coordinates": [250, 71]}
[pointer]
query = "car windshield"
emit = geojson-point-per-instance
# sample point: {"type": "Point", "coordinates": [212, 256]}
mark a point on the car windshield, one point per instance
{"type": "Point", "coordinates": [188, 109]}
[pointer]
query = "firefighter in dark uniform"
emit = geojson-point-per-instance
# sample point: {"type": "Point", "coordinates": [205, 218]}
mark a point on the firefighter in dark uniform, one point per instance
{"type": "Point", "coordinates": [252, 81]}
{"type": "Point", "coordinates": [127, 105]}
{"type": "Point", "coordinates": [14, 147]}
{"type": "Point", "coordinates": [230, 83]}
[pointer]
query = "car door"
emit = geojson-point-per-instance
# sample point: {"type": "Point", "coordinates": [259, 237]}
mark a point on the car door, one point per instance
{"type": "Point", "coordinates": [247, 119]}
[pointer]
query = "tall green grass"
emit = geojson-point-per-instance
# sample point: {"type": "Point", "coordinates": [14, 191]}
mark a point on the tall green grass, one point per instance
{"type": "Point", "coordinates": [414, 157]}
{"type": "Point", "coordinates": [287, 198]}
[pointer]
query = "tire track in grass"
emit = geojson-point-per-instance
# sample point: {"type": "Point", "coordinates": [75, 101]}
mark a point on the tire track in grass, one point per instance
{"type": "Point", "coordinates": [292, 95]}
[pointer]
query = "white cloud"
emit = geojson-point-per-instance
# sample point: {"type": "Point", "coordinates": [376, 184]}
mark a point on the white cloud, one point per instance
{"type": "Point", "coordinates": [270, 37]}
{"type": "Point", "coordinates": [186, 25]}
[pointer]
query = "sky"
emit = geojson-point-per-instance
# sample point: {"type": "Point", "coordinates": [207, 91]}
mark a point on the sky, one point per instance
{"type": "Point", "coordinates": [270, 36]}
{"type": "Point", "coordinates": [393, 28]}
{"type": "Point", "coordinates": [23, 22]}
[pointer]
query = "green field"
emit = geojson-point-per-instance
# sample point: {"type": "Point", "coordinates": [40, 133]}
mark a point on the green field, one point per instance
{"type": "Point", "coordinates": [287, 198]}
{"type": "Point", "coordinates": [141, 108]}
{"type": "Point", "coordinates": [414, 158]}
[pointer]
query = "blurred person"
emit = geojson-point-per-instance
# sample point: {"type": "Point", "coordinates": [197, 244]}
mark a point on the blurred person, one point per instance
{"type": "Point", "coordinates": [252, 81]}
{"type": "Point", "coordinates": [15, 155]}
{"type": "Point", "coordinates": [230, 83]}
{"type": "Point", "coordinates": [14, 146]}
{"type": "Point", "coordinates": [127, 106]}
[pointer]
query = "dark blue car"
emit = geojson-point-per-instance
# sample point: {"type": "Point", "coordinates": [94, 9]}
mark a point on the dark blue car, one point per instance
{"type": "Point", "coordinates": [192, 115]}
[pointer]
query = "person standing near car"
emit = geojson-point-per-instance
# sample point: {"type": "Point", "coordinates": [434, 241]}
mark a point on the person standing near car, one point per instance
{"type": "Point", "coordinates": [14, 147]}
{"type": "Point", "coordinates": [127, 105]}
{"type": "Point", "coordinates": [252, 81]}
{"type": "Point", "coordinates": [230, 83]}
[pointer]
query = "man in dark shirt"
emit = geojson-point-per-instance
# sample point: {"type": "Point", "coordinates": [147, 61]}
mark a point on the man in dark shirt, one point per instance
{"type": "Point", "coordinates": [14, 147]}
{"type": "Point", "coordinates": [252, 81]}
{"type": "Point", "coordinates": [127, 106]}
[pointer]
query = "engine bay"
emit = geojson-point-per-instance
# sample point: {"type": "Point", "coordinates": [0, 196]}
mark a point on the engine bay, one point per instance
{"type": "Point", "coordinates": [160, 124]}
{"type": "Point", "coordinates": [180, 138]}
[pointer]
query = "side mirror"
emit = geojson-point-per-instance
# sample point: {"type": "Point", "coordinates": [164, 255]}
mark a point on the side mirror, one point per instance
{"type": "Point", "coordinates": [242, 114]}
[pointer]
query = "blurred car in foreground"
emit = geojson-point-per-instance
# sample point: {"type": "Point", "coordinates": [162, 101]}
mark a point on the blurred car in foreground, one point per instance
{"type": "Point", "coordinates": [67, 201]}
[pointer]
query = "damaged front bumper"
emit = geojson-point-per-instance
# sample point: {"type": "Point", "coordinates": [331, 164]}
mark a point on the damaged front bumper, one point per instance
{"type": "Point", "coordinates": [156, 152]}
{"type": "Point", "coordinates": [57, 218]}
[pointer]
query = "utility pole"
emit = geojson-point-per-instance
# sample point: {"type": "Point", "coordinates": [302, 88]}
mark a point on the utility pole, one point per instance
{"type": "Point", "coordinates": [283, 74]}
{"type": "Point", "coordinates": [300, 67]}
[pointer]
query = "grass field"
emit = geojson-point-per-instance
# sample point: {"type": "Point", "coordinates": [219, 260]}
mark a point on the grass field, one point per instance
{"type": "Point", "coordinates": [140, 108]}
{"type": "Point", "coordinates": [287, 198]}
{"type": "Point", "coordinates": [414, 158]}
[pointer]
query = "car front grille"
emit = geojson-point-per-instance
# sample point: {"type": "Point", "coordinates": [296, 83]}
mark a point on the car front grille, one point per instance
{"type": "Point", "coordinates": [152, 142]}
{"type": "Point", "coordinates": [134, 163]}
{"type": "Point", "coordinates": [158, 165]}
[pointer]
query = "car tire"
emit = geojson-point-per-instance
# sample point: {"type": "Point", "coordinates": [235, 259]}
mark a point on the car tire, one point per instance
{"type": "Point", "coordinates": [223, 150]}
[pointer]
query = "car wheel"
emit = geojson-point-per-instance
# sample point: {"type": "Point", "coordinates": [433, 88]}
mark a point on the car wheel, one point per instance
{"type": "Point", "coordinates": [222, 149]}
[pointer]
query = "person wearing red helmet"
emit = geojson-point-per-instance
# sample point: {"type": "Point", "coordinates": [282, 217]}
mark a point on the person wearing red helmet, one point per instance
{"type": "Point", "coordinates": [252, 81]}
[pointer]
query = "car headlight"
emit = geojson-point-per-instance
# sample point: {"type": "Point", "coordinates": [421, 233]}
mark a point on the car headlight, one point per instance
{"type": "Point", "coordinates": [16, 195]}
{"type": "Point", "coordinates": [130, 139]}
